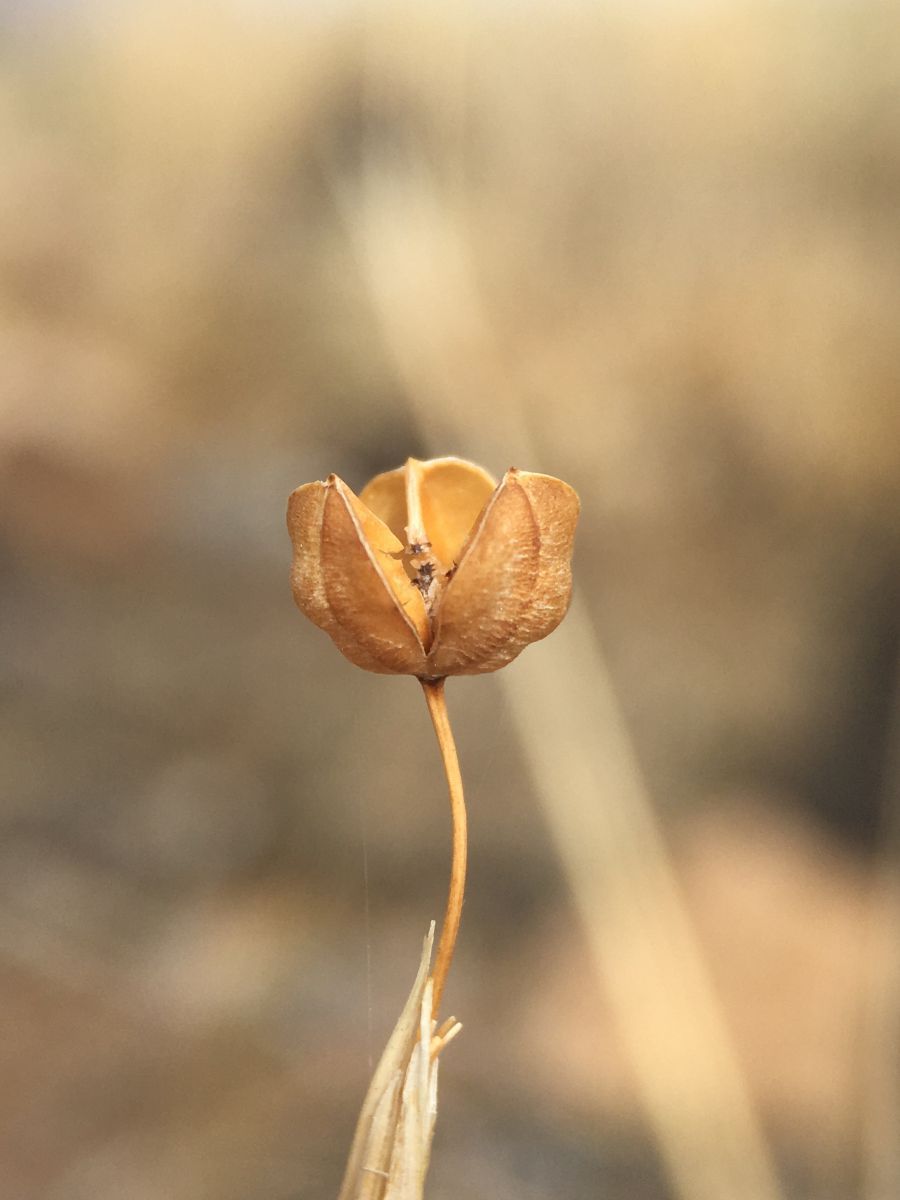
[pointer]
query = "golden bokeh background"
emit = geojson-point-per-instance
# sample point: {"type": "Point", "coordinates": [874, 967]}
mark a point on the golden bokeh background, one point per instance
{"type": "Point", "coordinates": [653, 249]}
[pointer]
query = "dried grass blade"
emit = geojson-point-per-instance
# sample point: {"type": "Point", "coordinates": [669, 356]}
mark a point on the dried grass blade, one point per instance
{"type": "Point", "coordinates": [379, 1119]}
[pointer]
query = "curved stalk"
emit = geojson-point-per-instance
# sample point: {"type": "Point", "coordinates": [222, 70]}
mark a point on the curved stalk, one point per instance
{"type": "Point", "coordinates": [437, 708]}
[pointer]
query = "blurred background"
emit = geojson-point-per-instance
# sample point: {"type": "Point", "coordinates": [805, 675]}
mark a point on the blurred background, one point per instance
{"type": "Point", "coordinates": [650, 248]}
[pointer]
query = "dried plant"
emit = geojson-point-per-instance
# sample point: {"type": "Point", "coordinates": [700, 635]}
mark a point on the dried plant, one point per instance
{"type": "Point", "coordinates": [434, 570]}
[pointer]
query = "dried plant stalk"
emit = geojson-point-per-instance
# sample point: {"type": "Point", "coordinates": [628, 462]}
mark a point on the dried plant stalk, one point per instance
{"type": "Point", "coordinates": [437, 708]}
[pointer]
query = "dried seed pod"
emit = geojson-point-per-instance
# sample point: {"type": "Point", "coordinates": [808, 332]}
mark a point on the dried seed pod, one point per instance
{"type": "Point", "coordinates": [433, 570]}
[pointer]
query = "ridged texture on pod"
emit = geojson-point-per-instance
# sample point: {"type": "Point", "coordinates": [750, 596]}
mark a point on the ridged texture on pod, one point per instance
{"type": "Point", "coordinates": [432, 570]}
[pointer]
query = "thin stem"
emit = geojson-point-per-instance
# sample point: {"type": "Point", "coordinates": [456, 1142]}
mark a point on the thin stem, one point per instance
{"type": "Point", "coordinates": [437, 708]}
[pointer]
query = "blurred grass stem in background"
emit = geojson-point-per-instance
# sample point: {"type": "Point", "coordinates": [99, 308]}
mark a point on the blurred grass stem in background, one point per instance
{"type": "Point", "coordinates": [640, 936]}
{"type": "Point", "coordinates": [436, 700]}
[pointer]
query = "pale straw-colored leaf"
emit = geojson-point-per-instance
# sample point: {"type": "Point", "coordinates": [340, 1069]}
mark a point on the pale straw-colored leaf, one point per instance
{"type": "Point", "coordinates": [392, 1145]}
{"type": "Point", "coordinates": [412, 1147]}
